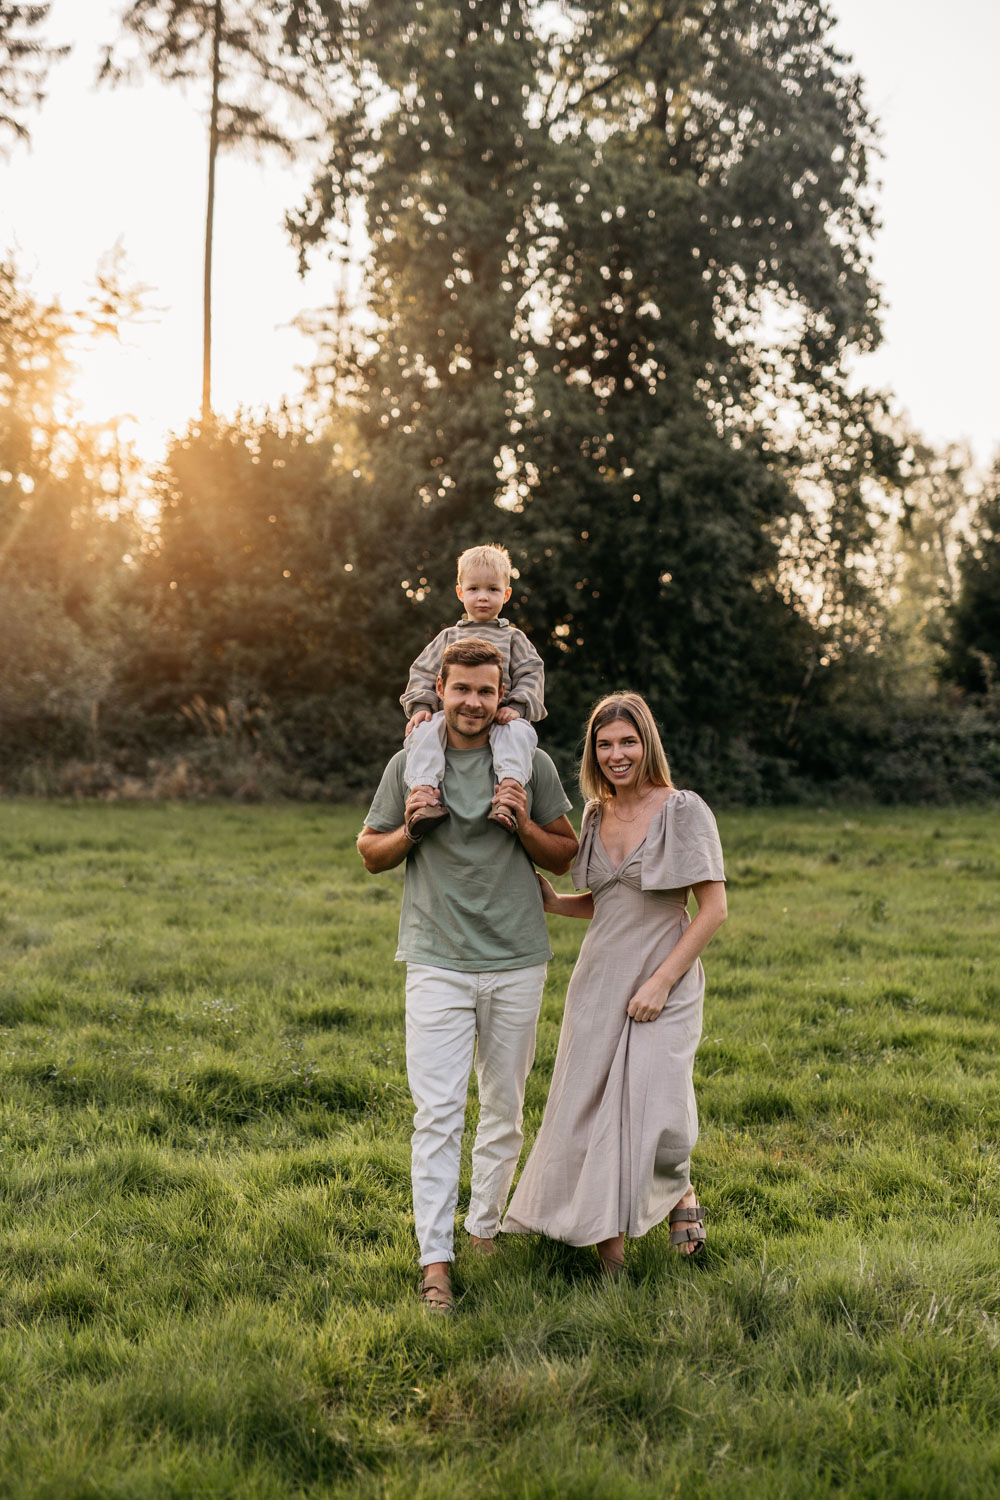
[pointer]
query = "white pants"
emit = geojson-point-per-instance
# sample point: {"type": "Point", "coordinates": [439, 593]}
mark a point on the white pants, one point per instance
{"type": "Point", "coordinates": [447, 1013]}
{"type": "Point", "coordinates": [513, 746]}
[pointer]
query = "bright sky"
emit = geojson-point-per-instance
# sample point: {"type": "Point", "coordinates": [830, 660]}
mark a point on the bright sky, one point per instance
{"type": "Point", "coordinates": [129, 163]}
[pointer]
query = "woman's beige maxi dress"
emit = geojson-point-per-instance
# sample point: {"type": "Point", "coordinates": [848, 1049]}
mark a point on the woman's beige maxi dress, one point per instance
{"type": "Point", "coordinates": [613, 1151]}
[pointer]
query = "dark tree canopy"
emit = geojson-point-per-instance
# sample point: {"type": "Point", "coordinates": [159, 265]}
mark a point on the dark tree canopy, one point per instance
{"type": "Point", "coordinates": [974, 658]}
{"type": "Point", "coordinates": [618, 256]}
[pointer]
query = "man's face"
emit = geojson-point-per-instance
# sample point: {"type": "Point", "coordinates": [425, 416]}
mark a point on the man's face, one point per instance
{"type": "Point", "coordinates": [470, 699]}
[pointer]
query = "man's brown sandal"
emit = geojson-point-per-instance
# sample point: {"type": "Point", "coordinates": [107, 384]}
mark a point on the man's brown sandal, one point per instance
{"type": "Point", "coordinates": [694, 1235]}
{"type": "Point", "coordinates": [436, 1294]}
{"type": "Point", "coordinates": [482, 1245]}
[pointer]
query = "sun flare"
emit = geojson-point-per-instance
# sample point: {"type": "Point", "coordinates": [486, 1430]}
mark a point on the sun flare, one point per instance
{"type": "Point", "coordinates": [143, 386]}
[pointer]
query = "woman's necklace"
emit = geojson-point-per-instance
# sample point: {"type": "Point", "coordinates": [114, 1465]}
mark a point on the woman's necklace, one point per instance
{"type": "Point", "coordinates": [638, 810]}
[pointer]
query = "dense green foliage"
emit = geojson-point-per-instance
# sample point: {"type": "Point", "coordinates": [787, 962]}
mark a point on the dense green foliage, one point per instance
{"type": "Point", "coordinates": [975, 616]}
{"type": "Point", "coordinates": [63, 541]}
{"type": "Point", "coordinates": [618, 265]}
{"type": "Point", "coordinates": [207, 1272]}
{"type": "Point", "coordinates": [584, 223]}
{"type": "Point", "coordinates": [256, 640]}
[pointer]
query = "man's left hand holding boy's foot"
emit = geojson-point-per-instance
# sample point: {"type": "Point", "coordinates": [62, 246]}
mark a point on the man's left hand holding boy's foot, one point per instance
{"type": "Point", "coordinates": [510, 804]}
{"type": "Point", "coordinates": [424, 810]}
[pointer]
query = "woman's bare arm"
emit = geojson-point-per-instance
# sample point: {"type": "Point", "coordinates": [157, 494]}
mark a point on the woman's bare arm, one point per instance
{"type": "Point", "coordinates": [650, 997]}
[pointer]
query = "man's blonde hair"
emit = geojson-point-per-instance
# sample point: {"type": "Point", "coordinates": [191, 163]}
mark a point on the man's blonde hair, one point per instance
{"type": "Point", "coordinates": [492, 558]}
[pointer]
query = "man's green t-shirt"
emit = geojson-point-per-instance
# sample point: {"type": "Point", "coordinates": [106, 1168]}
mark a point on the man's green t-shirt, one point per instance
{"type": "Point", "coordinates": [470, 898]}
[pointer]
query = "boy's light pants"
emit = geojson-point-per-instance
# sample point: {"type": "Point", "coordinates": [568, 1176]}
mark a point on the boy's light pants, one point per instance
{"type": "Point", "coordinates": [512, 744]}
{"type": "Point", "coordinates": [447, 1013]}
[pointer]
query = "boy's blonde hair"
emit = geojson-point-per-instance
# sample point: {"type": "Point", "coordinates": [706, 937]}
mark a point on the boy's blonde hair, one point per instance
{"type": "Point", "coordinates": [492, 558]}
{"type": "Point", "coordinates": [653, 766]}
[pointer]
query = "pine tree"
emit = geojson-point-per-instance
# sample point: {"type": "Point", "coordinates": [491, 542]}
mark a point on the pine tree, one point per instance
{"type": "Point", "coordinates": [232, 48]}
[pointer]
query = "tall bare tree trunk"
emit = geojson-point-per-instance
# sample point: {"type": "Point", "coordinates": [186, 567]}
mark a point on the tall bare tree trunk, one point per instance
{"type": "Point", "coordinates": [213, 151]}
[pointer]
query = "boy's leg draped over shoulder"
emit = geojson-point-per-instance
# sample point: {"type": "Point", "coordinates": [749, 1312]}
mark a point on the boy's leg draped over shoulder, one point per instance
{"type": "Point", "coordinates": [426, 763]}
{"type": "Point", "coordinates": [425, 747]}
{"type": "Point", "coordinates": [513, 747]}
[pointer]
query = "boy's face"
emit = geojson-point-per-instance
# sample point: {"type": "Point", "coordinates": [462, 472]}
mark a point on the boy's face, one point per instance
{"type": "Point", "coordinates": [483, 594]}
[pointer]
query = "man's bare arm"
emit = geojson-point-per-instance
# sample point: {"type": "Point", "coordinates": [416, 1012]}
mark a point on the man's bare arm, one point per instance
{"type": "Point", "coordinates": [551, 845]}
{"type": "Point", "coordinates": [383, 851]}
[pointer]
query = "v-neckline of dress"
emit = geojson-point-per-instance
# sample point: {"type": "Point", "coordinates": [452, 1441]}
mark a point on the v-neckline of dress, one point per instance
{"type": "Point", "coordinates": [636, 847]}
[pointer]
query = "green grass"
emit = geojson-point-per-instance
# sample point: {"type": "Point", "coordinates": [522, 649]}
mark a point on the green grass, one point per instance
{"type": "Point", "coordinates": [207, 1271]}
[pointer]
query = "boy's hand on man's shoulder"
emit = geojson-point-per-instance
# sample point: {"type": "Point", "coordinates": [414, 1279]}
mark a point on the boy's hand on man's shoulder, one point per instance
{"type": "Point", "coordinates": [420, 717]}
{"type": "Point", "coordinates": [505, 715]}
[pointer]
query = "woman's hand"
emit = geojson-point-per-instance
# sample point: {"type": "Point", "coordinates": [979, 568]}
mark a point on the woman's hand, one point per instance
{"type": "Point", "coordinates": [648, 1000]}
{"type": "Point", "coordinates": [550, 900]}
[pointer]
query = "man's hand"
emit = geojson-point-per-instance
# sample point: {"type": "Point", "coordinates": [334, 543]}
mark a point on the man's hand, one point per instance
{"type": "Point", "coordinates": [511, 798]}
{"type": "Point", "coordinates": [421, 796]}
{"type": "Point", "coordinates": [504, 715]}
{"type": "Point", "coordinates": [420, 717]}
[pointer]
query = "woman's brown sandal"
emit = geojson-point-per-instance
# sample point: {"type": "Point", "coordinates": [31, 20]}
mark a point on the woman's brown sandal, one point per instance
{"type": "Point", "coordinates": [694, 1235]}
{"type": "Point", "coordinates": [436, 1294]}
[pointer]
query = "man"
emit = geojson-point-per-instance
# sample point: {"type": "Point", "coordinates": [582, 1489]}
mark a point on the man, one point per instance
{"type": "Point", "coordinates": [472, 934]}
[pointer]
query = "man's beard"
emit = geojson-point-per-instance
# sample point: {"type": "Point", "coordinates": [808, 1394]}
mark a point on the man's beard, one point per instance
{"type": "Point", "coordinates": [469, 726]}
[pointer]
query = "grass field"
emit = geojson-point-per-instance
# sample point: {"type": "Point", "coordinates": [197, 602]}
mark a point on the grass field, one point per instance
{"type": "Point", "coordinates": [207, 1274]}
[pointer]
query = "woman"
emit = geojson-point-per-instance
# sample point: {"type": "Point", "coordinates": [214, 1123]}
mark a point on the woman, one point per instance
{"type": "Point", "coordinates": [612, 1157]}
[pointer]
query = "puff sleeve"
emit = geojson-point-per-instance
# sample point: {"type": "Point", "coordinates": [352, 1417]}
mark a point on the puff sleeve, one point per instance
{"type": "Point", "coordinates": [579, 869]}
{"type": "Point", "coordinates": [684, 849]}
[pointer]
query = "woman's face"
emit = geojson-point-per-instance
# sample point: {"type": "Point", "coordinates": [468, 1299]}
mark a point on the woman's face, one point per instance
{"type": "Point", "coordinates": [619, 752]}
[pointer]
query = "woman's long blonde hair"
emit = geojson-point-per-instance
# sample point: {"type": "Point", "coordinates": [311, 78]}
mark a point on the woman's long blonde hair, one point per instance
{"type": "Point", "coordinates": [635, 711]}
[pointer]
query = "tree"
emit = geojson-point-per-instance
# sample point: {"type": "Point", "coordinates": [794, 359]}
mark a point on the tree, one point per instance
{"type": "Point", "coordinates": [62, 551]}
{"type": "Point", "coordinates": [251, 602]}
{"type": "Point", "coordinates": [619, 253]}
{"type": "Point", "coordinates": [233, 47]}
{"type": "Point", "coordinates": [974, 618]}
{"type": "Point", "coordinates": [115, 306]}
{"type": "Point", "coordinates": [926, 545]}
{"type": "Point", "coordinates": [24, 65]}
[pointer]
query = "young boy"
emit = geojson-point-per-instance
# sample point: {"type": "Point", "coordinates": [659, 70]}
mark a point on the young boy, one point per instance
{"type": "Point", "coordinates": [484, 588]}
